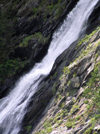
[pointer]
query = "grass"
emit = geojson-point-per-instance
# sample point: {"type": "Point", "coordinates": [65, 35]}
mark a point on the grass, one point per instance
{"type": "Point", "coordinates": [47, 127]}
{"type": "Point", "coordinates": [87, 37]}
{"type": "Point", "coordinates": [74, 108]}
{"type": "Point", "coordinates": [70, 123]}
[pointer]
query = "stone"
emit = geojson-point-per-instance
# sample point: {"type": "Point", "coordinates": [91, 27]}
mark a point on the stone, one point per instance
{"type": "Point", "coordinates": [81, 90]}
{"type": "Point", "coordinates": [97, 128]}
{"type": "Point", "coordinates": [84, 64]}
{"type": "Point", "coordinates": [75, 82]}
{"type": "Point", "coordinates": [61, 101]}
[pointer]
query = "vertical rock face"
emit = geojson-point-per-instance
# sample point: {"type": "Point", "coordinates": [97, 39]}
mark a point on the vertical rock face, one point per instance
{"type": "Point", "coordinates": [94, 19]}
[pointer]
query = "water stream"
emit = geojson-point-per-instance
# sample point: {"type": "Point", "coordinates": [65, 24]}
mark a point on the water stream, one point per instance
{"type": "Point", "coordinates": [14, 106]}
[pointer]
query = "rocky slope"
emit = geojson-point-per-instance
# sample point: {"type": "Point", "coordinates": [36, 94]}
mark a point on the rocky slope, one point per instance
{"type": "Point", "coordinates": [75, 107]}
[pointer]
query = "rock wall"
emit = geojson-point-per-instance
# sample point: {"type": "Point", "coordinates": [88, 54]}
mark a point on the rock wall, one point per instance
{"type": "Point", "coordinates": [75, 107]}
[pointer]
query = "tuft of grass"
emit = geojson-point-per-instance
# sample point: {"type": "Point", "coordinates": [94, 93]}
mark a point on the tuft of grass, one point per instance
{"type": "Point", "coordinates": [74, 108]}
{"type": "Point", "coordinates": [70, 123]}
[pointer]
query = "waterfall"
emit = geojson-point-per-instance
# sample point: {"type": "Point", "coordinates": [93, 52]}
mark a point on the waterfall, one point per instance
{"type": "Point", "coordinates": [14, 106]}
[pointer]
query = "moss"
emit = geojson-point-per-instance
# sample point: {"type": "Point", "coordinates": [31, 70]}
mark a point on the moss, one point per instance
{"type": "Point", "coordinates": [66, 70]}
{"type": "Point", "coordinates": [49, 9]}
{"type": "Point", "coordinates": [28, 128]}
{"type": "Point", "coordinates": [62, 105]}
{"type": "Point", "coordinates": [47, 124]}
{"type": "Point", "coordinates": [37, 36]}
{"type": "Point", "coordinates": [88, 131]}
{"type": "Point", "coordinates": [74, 108]}
{"type": "Point", "coordinates": [86, 101]}
{"type": "Point", "coordinates": [95, 133]}
{"type": "Point", "coordinates": [47, 127]}
{"type": "Point", "coordinates": [49, 130]}
{"type": "Point", "coordinates": [25, 41]}
{"type": "Point", "coordinates": [77, 117]}
{"type": "Point", "coordinates": [70, 123]}
{"type": "Point", "coordinates": [87, 37]}
{"type": "Point", "coordinates": [68, 83]}
{"type": "Point", "coordinates": [74, 100]}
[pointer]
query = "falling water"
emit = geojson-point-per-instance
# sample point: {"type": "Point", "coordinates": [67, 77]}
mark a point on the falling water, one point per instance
{"type": "Point", "coordinates": [14, 106]}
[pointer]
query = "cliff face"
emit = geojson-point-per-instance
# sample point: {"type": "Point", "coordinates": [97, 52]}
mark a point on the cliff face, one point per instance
{"type": "Point", "coordinates": [75, 107]}
{"type": "Point", "coordinates": [26, 29]}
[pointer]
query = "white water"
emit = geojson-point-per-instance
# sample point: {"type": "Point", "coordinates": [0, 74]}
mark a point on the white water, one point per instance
{"type": "Point", "coordinates": [14, 106]}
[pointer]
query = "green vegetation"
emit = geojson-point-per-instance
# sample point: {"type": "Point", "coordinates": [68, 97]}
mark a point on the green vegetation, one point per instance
{"type": "Point", "coordinates": [70, 123]}
{"type": "Point", "coordinates": [25, 41]}
{"type": "Point", "coordinates": [74, 108]}
{"type": "Point", "coordinates": [93, 88]}
{"type": "Point", "coordinates": [37, 36]}
{"type": "Point", "coordinates": [9, 68]}
{"type": "Point", "coordinates": [49, 9]}
{"type": "Point", "coordinates": [66, 70]}
{"type": "Point", "coordinates": [28, 128]}
{"type": "Point", "coordinates": [89, 130]}
{"type": "Point", "coordinates": [47, 128]}
{"type": "Point", "coordinates": [87, 37]}
{"type": "Point", "coordinates": [93, 92]}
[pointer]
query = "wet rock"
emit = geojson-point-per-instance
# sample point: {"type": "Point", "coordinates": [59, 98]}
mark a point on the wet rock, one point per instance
{"type": "Point", "coordinates": [94, 19]}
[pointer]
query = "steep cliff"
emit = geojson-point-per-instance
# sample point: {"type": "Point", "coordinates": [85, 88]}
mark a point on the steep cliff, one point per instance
{"type": "Point", "coordinates": [75, 107]}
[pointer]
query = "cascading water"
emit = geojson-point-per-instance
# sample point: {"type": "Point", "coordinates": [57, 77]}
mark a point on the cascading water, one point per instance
{"type": "Point", "coordinates": [14, 106]}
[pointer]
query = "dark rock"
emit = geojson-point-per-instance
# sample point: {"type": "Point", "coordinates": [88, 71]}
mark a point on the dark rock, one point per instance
{"type": "Point", "coordinates": [94, 19]}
